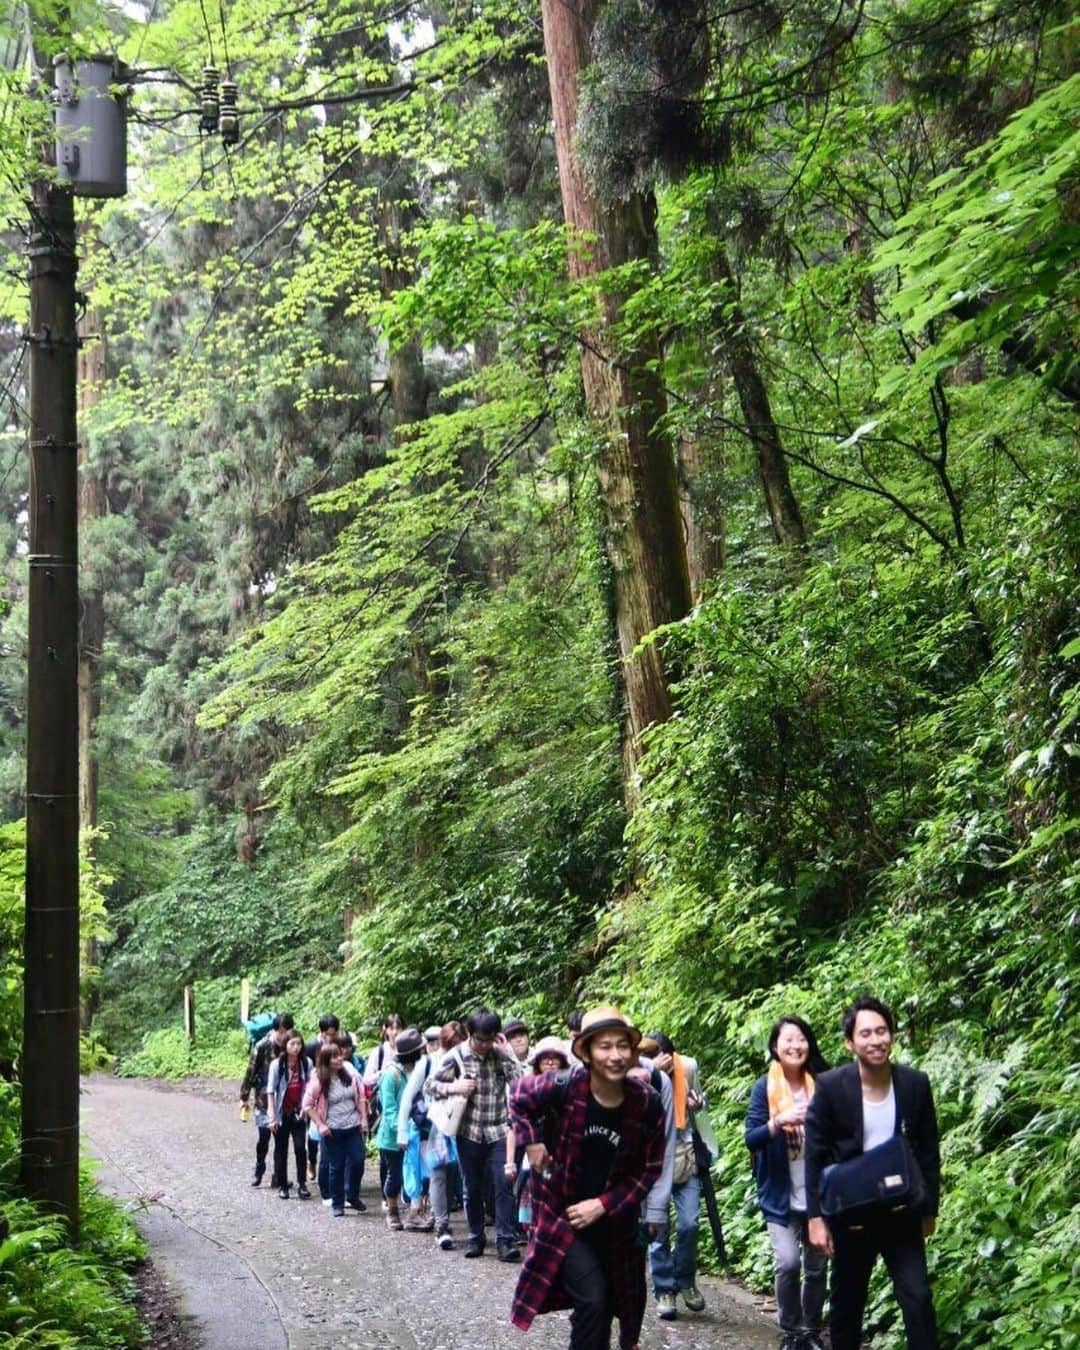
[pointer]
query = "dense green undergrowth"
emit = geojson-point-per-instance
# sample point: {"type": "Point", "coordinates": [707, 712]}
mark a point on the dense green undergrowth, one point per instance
{"type": "Point", "coordinates": [53, 1296]}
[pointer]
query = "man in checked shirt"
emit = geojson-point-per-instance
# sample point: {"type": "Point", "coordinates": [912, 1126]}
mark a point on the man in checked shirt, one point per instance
{"type": "Point", "coordinates": [482, 1069]}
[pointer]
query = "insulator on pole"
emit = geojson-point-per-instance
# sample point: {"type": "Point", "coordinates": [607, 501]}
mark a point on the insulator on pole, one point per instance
{"type": "Point", "coordinates": [230, 117]}
{"type": "Point", "coordinates": [208, 101]}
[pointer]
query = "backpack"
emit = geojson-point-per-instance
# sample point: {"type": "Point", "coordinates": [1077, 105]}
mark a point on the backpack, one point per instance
{"type": "Point", "coordinates": [371, 1091]}
{"type": "Point", "coordinates": [258, 1026]}
{"type": "Point", "coordinates": [418, 1112]}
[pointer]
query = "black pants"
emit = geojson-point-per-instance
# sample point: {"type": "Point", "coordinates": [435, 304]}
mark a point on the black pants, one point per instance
{"type": "Point", "coordinates": [587, 1282]}
{"type": "Point", "coordinates": [262, 1148]}
{"type": "Point", "coordinates": [478, 1162]}
{"type": "Point", "coordinates": [899, 1242]}
{"type": "Point", "coordinates": [390, 1165]}
{"type": "Point", "coordinates": [293, 1128]}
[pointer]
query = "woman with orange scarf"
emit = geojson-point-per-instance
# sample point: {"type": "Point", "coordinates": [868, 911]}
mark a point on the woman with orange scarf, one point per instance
{"type": "Point", "coordinates": [775, 1134]}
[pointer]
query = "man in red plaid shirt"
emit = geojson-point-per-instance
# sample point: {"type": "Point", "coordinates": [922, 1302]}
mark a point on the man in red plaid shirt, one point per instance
{"type": "Point", "coordinates": [595, 1140]}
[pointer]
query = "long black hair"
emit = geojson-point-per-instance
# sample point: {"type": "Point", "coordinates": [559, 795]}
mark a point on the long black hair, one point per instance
{"type": "Point", "coordinates": [303, 1064]}
{"type": "Point", "coordinates": [815, 1061]}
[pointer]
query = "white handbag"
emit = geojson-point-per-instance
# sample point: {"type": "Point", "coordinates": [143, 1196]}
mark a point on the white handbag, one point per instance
{"type": "Point", "coordinates": [445, 1113]}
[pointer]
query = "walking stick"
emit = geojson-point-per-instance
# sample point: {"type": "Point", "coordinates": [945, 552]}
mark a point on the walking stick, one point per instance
{"type": "Point", "coordinates": [713, 1211]}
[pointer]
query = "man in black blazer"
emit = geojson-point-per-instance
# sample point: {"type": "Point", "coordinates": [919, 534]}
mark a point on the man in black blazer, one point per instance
{"type": "Point", "coordinates": [853, 1109]}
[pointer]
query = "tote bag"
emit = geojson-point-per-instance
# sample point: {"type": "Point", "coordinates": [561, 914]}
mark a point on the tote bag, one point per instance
{"type": "Point", "coordinates": [445, 1113]}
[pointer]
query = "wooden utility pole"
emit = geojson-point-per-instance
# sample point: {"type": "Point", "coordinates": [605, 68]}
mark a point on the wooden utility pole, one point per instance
{"type": "Point", "coordinates": [49, 1066]}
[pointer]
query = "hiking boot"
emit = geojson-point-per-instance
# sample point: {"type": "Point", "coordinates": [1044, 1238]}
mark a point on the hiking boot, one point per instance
{"type": "Point", "coordinates": [416, 1221]}
{"type": "Point", "coordinates": [473, 1248]}
{"type": "Point", "coordinates": [694, 1299]}
{"type": "Point", "coordinates": [393, 1217]}
{"type": "Point", "coordinates": [507, 1252]}
{"type": "Point", "coordinates": [665, 1307]}
{"type": "Point", "coordinates": [444, 1238]}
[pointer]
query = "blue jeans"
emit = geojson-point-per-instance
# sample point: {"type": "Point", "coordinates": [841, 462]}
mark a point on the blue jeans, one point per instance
{"type": "Point", "coordinates": [476, 1160]}
{"type": "Point", "coordinates": [345, 1152]}
{"type": "Point", "coordinates": [672, 1272]}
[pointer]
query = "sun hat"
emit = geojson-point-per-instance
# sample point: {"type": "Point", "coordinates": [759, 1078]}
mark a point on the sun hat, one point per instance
{"type": "Point", "coordinates": [408, 1042]}
{"type": "Point", "coordinates": [433, 1034]}
{"type": "Point", "coordinates": [604, 1018]}
{"type": "Point", "coordinates": [549, 1045]}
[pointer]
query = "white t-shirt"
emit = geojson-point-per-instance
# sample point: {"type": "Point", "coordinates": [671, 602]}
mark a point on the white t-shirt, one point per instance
{"type": "Point", "coordinates": [797, 1166]}
{"type": "Point", "coordinates": [878, 1120]}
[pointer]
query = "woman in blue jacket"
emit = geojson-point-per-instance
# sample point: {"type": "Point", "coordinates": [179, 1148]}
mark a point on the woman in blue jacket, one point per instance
{"type": "Point", "coordinates": [775, 1136]}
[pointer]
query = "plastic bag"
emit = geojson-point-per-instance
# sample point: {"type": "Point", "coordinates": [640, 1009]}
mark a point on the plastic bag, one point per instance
{"type": "Point", "coordinates": [414, 1170]}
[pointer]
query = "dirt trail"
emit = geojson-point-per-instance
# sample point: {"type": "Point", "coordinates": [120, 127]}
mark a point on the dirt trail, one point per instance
{"type": "Point", "coordinates": [249, 1267]}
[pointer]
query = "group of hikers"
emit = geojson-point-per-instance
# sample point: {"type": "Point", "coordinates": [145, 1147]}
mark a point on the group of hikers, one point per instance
{"type": "Point", "coordinates": [578, 1148]}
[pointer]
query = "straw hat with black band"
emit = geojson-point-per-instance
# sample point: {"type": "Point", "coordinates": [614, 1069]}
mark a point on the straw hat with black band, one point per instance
{"type": "Point", "coordinates": [604, 1018]}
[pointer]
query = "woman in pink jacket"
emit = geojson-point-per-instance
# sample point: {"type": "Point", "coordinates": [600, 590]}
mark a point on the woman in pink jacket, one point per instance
{"type": "Point", "coordinates": [335, 1102]}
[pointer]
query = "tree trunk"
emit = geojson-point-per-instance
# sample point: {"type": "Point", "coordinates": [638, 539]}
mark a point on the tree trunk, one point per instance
{"type": "Point", "coordinates": [787, 526]}
{"type": "Point", "coordinates": [92, 369]}
{"type": "Point", "coordinates": [625, 398]}
{"type": "Point", "coordinates": [700, 462]}
{"type": "Point", "coordinates": [406, 379]}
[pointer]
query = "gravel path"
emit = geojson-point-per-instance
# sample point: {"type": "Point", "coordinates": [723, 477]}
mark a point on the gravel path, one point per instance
{"type": "Point", "coordinates": [248, 1267]}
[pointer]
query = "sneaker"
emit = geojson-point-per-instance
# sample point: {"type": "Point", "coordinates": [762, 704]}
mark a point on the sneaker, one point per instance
{"type": "Point", "coordinates": [445, 1240]}
{"type": "Point", "coordinates": [665, 1307]}
{"type": "Point", "coordinates": [328, 1201]}
{"type": "Point", "coordinates": [473, 1248]}
{"type": "Point", "coordinates": [694, 1299]}
{"type": "Point", "coordinates": [359, 1206]}
{"type": "Point", "coordinates": [256, 1180]}
{"type": "Point", "coordinates": [507, 1252]}
{"type": "Point", "coordinates": [336, 1213]}
{"type": "Point", "coordinates": [393, 1221]}
{"type": "Point", "coordinates": [302, 1192]}
{"type": "Point", "coordinates": [385, 1207]}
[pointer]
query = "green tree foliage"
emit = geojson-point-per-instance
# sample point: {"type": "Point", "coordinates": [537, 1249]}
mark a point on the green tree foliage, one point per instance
{"type": "Point", "coordinates": [360, 735]}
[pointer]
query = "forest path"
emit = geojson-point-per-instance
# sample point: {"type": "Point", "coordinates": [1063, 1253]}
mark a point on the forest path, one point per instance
{"type": "Point", "coordinates": [248, 1267]}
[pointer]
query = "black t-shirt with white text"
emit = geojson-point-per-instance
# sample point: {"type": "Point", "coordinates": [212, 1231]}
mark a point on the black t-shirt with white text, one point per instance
{"type": "Point", "coordinates": [603, 1133]}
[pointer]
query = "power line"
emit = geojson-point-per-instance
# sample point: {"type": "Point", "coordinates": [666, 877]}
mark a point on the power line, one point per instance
{"type": "Point", "coordinates": [209, 35]}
